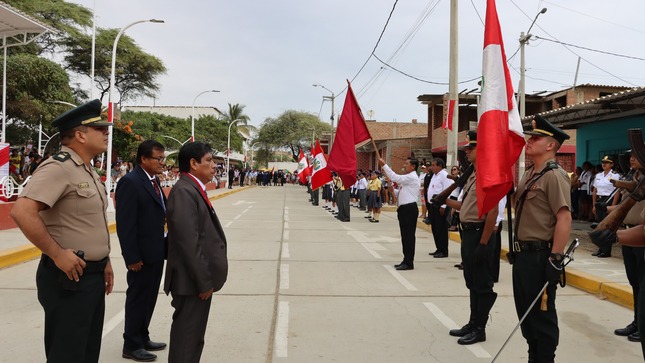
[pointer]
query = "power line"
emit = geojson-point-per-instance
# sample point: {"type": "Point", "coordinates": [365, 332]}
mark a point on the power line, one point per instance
{"type": "Point", "coordinates": [590, 49]}
{"type": "Point", "coordinates": [419, 79]}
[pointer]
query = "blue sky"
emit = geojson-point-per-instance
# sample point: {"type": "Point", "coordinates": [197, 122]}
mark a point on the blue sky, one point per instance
{"type": "Point", "coordinates": [267, 54]}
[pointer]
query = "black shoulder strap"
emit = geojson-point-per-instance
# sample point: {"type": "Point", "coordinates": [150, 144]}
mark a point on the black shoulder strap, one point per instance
{"type": "Point", "coordinates": [62, 156]}
{"type": "Point", "coordinates": [550, 165]}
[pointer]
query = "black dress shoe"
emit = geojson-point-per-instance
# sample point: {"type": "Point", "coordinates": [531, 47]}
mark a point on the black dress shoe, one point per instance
{"type": "Point", "coordinates": [344, 220]}
{"type": "Point", "coordinates": [628, 330]}
{"type": "Point", "coordinates": [403, 267]}
{"type": "Point", "coordinates": [440, 255]}
{"type": "Point", "coordinates": [433, 253]}
{"type": "Point", "coordinates": [459, 266]}
{"type": "Point", "coordinates": [595, 253]}
{"type": "Point", "coordinates": [475, 336]}
{"type": "Point", "coordinates": [153, 346]}
{"type": "Point", "coordinates": [604, 255]}
{"type": "Point", "coordinates": [374, 220]}
{"type": "Point", "coordinates": [634, 337]}
{"type": "Point", "coordinates": [462, 331]}
{"type": "Point", "coordinates": [139, 355]}
{"type": "Point", "coordinates": [399, 264]}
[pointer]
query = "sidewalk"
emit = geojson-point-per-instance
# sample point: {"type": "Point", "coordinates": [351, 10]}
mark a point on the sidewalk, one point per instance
{"type": "Point", "coordinates": [15, 248]}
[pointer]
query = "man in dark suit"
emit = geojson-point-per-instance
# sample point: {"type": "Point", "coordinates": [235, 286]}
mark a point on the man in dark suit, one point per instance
{"type": "Point", "coordinates": [197, 262]}
{"type": "Point", "coordinates": [140, 219]}
{"type": "Point", "coordinates": [426, 183]}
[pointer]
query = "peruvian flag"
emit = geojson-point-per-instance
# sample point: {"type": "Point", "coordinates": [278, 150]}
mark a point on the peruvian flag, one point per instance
{"type": "Point", "coordinates": [303, 167]}
{"type": "Point", "coordinates": [499, 132]}
{"type": "Point", "coordinates": [320, 174]}
{"type": "Point", "coordinates": [447, 123]}
{"type": "Point", "coordinates": [351, 131]}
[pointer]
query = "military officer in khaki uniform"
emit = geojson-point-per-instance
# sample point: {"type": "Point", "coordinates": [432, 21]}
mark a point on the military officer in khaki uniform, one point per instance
{"type": "Point", "coordinates": [477, 253]}
{"type": "Point", "coordinates": [62, 212]}
{"type": "Point", "coordinates": [543, 220]}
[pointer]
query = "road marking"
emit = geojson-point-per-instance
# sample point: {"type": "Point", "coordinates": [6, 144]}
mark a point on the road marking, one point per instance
{"type": "Point", "coordinates": [237, 217]}
{"type": "Point", "coordinates": [286, 217]}
{"type": "Point", "coordinates": [286, 236]}
{"type": "Point", "coordinates": [370, 250]}
{"type": "Point", "coordinates": [228, 224]}
{"type": "Point", "coordinates": [284, 276]}
{"type": "Point", "coordinates": [112, 323]}
{"type": "Point", "coordinates": [246, 210]}
{"type": "Point", "coordinates": [286, 225]}
{"type": "Point", "coordinates": [476, 348]}
{"type": "Point", "coordinates": [282, 330]}
{"type": "Point", "coordinates": [400, 278]}
{"type": "Point", "coordinates": [285, 250]}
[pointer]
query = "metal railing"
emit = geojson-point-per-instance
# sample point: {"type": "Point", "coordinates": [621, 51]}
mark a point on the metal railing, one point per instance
{"type": "Point", "coordinates": [10, 187]}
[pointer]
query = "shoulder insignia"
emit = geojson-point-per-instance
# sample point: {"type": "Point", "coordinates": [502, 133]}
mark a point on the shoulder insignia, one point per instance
{"type": "Point", "coordinates": [62, 156]}
{"type": "Point", "coordinates": [552, 165]}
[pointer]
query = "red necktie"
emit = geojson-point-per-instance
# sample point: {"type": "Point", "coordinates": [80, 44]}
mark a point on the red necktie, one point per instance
{"type": "Point", "coordinates": [201, 191]}
{"type": "Point", "coordinates": [157, 190]}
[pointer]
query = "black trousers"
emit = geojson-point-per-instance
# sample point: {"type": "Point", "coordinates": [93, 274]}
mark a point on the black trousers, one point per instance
{"type": "Point", "coordinates": [478, 276]}
{"type": "Point", "coordinates": [362, 199]}
{"type": "Point", "coordinates": [140, 301]}
{"type": "Point", "coordinates": [440, 229]}
{"type": "Point", "coordinates": [73, 319]}
{"type": "Point", "coordinates": [315, 196]}
{"type": "Point", "coordinates": [641, 312]}
{"type": "Point", "coordinates": [343, 204]}
{"type": "Point", "coordinates": [540, 328]}
{"type": "Point", "coordinates": [634, 260]}
{"type": "Point", "coordinates": [188, 328]}
{"type": "Point", "coordinates": [407, 216]}
{"type": "Point", "coordinates": [497, 251]}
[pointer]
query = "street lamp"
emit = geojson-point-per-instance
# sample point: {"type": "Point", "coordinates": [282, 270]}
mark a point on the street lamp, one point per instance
{"type": "Point", "coordinates": [332, 98]}
{"type": "Point", "coordinates": [172, 138]}
{"type": "Point", "coordinates": [524, 39]}
{"type": "Point", "coordinates": [228, 146]}
{"type": "Point", "coordinates": [192, 123]}
{"type": "Point", "coordinates": [257, 142]}
{"type": "Point", "coordinates": [108, 167]}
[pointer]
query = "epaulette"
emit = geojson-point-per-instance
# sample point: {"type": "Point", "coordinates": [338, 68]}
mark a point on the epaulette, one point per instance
{"type": "Point", "coordinates": [62, 156]}
{"type": "Point", "coordinates": [552, 165]}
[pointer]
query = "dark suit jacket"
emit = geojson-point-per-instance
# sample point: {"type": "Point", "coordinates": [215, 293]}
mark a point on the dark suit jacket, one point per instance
{"type": "Point", "coordinates": [140, 219]}
{"type": "Point", "coordinates": [426, 184]}
{"type": "Point", "coordinates": [197, 258]}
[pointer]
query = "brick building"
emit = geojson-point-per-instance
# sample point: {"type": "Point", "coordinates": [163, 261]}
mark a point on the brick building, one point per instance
{"type": "Point", "coordinates": [535, 103]}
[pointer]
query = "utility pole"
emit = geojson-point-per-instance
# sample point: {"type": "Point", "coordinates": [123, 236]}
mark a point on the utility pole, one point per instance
{"type": "Point", "coordinates": [451, 154]}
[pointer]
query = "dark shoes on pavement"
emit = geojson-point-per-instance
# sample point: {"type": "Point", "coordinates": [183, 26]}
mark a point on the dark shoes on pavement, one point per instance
{"type": "Point", "coordinates": [440, 255]}
{"type": "Point", "coordinates": [634, 337]}
{"type": "Point", "coordinates": [433, 253]}
{"type": "Point", "coordinates": [477, 335]}
{"type": "Point", "coordinates": [462, 331]}
{"type": "Point", "coordinates": [459, 265]}
{"type": "Point", "coordinates": [403, 267]}
{"type": "Point", "coordinates": [139, 355]}
{"type": "Point", "coordinates": [154, 346]}
{"type": "Point", "coordinates": [626, 331]}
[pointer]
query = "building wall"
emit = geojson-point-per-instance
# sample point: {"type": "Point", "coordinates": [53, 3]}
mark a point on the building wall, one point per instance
{"type": "Point", "coordinates": [604, 138]}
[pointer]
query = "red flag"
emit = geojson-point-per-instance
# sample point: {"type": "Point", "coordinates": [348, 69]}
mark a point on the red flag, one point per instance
{"type": "Point", "coordinates": [320, 174]}
{"type": "Point", "coordinates": [312, 153]}
{"type": "Point", "coordinates": [500, 137]}
{"type": "Point", "coordinates": [447, 124]}
{"type": "Point", "coordinates": [303, 167]}
{"type": "Point", "coordinates": [351, 131]}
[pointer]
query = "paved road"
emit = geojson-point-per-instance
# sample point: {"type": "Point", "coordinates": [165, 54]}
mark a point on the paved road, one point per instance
{"type": "Point", "coordinates": [304, 287]}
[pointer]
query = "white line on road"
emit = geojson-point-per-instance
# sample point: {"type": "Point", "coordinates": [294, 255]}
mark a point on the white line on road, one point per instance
{"type": "Point", "coordinates": [476, 349]}
{"type": "Point", "coordinates": [284, 276]}
{"type": "Point", "coordinates": [285, 250]}
{"type": "Point", "coordinates": [112, 323]}
{"type": "Point", "coordinates": [286, 225]}
{"type": "Point", "coordinates": [282, 330]}
{"type": "Point", "coordinates": [286, 236]}
{"type": "Point", "coordinates": [237, 217]}
{"type": "Point", "coordinates": [400, 278]}
{"type": "Point", "coordinates": [371, 251]}
{"type": "Point", "coordinates": [228, 224]}
{"type": "Point", "coordinates": [246, 210]}
{"type": "Point", "coordinates": [286, 217]}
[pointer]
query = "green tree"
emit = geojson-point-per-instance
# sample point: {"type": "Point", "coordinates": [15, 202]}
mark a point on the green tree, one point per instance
{"type": "Point", "coordinates": [292, 129]}
{"type": "Point", "coordinates": [32, 84]}
{"type": "Point", "coordinates": [136, 71]}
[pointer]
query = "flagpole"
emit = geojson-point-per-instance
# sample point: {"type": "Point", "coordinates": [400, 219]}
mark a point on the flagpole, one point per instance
{"type": "Point", "coordinates": [453, 134]}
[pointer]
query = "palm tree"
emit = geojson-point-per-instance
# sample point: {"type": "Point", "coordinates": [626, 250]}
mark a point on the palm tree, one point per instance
{"type": "Point", "coordinates": [236, 112]}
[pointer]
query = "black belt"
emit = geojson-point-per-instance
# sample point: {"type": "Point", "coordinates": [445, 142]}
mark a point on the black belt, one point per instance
{"type": "Point", "coordinates": [90, 266]}
{"type": "Point", "coordinates": [471, 226]}
{"type": "Point", "coordinates": [527, 246]}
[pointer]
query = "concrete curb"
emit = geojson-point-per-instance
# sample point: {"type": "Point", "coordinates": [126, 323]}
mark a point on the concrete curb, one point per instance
{"type": "Point", "coordinates": [619, 293]}
{"type": "Point", "coordinates": [29, 252]}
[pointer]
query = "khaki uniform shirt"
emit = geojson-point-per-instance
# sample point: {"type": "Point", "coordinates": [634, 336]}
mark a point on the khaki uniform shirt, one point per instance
{"type": "Point", "coordinates": [468, 212]}
{"type": "Point", "coordinates": [374, 185]}
{"type": "Point", "coordinates": [76, 201]}
{"type": "Point", "coordinates": [635, 215]}
{"type": "Point", "coordinates": [542, 203]}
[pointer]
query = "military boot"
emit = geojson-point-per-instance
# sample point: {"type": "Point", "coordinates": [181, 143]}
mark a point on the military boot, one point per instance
{"type": "Point", "coordinates": [478, 334]}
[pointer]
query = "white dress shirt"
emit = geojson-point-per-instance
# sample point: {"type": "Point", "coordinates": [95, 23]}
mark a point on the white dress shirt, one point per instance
{"type": "Point", "coordinates": [602, 183]}
{"type": "Point", "coordinates": [408, 191]}
{"type": "Point", "coordinates": [438, 184]}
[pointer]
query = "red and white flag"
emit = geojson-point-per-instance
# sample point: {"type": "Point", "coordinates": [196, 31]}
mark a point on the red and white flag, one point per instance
{"type": "Point", "coordinates": [351, 131]}
{"type": "Point", "coordinates": [320, 173]}
{"type": "Point", "coordinates": [303, 167]}
{"type": "Point", "coordinates": [500, 137]}
{"type": "Point", "coordinates": [447, 123]}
